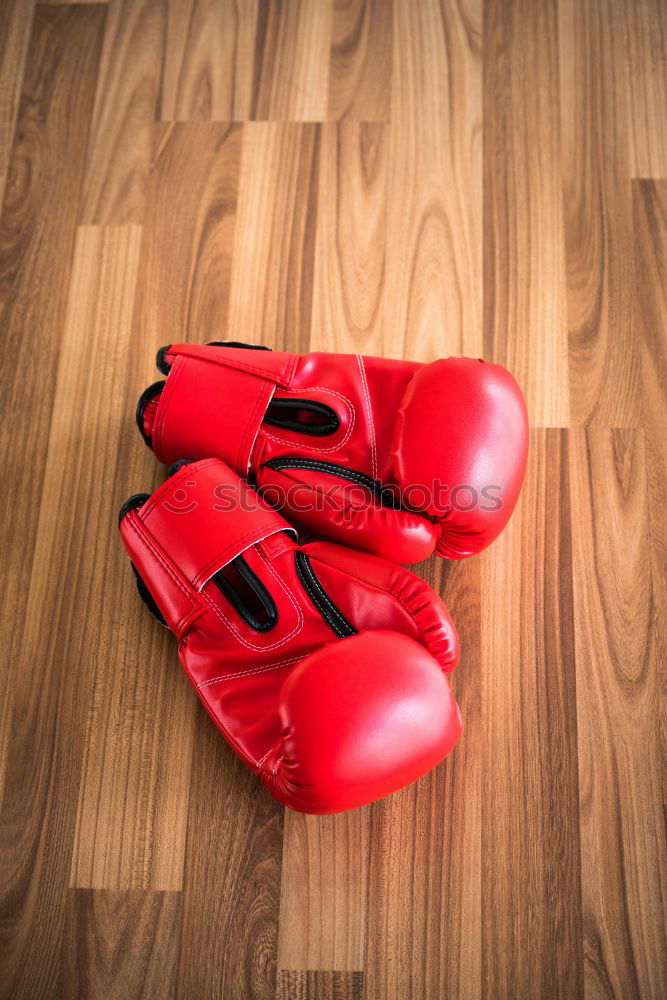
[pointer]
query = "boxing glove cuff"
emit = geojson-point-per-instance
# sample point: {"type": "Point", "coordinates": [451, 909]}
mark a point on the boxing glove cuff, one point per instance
{"type": "Point", "coordinates": [231, 517]}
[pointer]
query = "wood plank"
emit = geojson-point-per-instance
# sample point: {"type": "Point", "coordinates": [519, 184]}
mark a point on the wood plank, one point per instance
{"type": "Point", "coordinates": [434, 185]}
{"type": "Point", "coordinates": [650, 241]}
{"type": "Point", "coordinates": [37, 230]}
{"type": "Point", "coordinates": [186, 253]}
{"type": "Point", "coordinates": [349, 287]}
{"type": "Point", "coordinates": [646, 63]}
{"type": "Point", "coordinates": [524, 277]}
{"type": "Point", "coordinates": [15, 23]}
{"type": "Point", "coordinates": [360, 60]}
{"type": "Point", "coordinates": [271, 296]}
{"type": "Point", "coordinates": [265, 61]}
{"type": "Point", "coordinates": [323, 893]}
{"type": "Point", "coordinates": [232, 887]}
{"type": "Point", "coordinates": [121, 143]}
{"type": "Point", "coordinates": [293, 61]}
{"type": "Point", "coordinates": [597, 212]}
{"type": "Point", "coordinates": [133, 793]}
{"type": "Point", "coordinates": [531, 902]}
{"type": "Point", "coordinates": [209, 62]}
{"type": "Point", "coordinates": [38, 216]}
{"type": "Point", "coordinates": [277, 62]}
{"type": "Point", "coordinates": [75, 585]}
{"type": "Point", "coordinates": [424, 902]}
{"type": "Point", "coordinates": [120, 945]}
{"type": "Point", "coordinates": [5, 726]}
{"type": "Point", "coordinates": [624, 856]}
{"type": "Point", "coordinates": [294, 985]}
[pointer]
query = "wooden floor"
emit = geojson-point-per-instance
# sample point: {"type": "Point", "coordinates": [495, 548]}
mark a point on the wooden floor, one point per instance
{"type": "Point", "coordinates": [413, 178]}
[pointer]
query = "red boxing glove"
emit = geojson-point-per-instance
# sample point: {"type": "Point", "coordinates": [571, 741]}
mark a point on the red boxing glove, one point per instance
{"type": "Point", "coordinates": [393, 457]}
{"type": "Point", "coordinates": [324, 668]}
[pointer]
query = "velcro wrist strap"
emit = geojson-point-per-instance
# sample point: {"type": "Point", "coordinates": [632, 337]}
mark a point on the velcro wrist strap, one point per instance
{"type": "Point", "coordinates": [214, 401]}
{"type": "Point", "coordinates": [205, 516]}
{"type": "Point", "coordinates": [178, 603]}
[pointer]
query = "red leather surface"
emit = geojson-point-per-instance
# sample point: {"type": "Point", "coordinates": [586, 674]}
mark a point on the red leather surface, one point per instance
{"type": "Point", "coordinates": [327, 723]}
{"type": "Point", "coordinates": [203, 544]}
{"type": "Point", "coordinates": [343, 514]}
{"type": "Point", "coordinates": [485, 445]}
{"type": "Point", "coordinates": [446, 434]}
{"type": "Point", "coordinates": [372, 591]}
{"type": "Point", "coordinates": [330, 710]}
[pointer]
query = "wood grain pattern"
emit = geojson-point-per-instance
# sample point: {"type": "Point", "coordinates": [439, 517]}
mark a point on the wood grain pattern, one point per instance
{"type": "Point", "coordinates": [597, 209]}
{"type": "Point", "coordinates": [121, 142]}
{"type": "Point", "coordinates": [120, 945]}
{"type": "Point", "coordinates": [324, 891]}
{"type": "Point", "coordinates": [531, 906]}
{"type": "Point", "coordinates": [524, 302]}
{"type": "Point", "coordinates": [349, 282]}
{"type": "Point", "coordinates": [15, 24]}
{"type": "Point", "coordinates": [434, 248]}
{"type": "Point", "coordinates": [186, 253]}
{"type": "Point", "coordinates": [407, 178]}
{"type": "Point", "coordinates": [424, 923]}
{"type": "Point", "coordinates": [360, 60]}
{"type": "Point", "coordinates": [623, 850]}
{"type": "Point", "coordinates": [320, 986]}
{"type": "Point", "coordinates": [272, 276]}
{"type": "Point", "coordinates": [293, 69]}
{"type": "Point", "coordinates": [133, 793]}
{"type": "Point", "coordinates": [646, 39]}
{"type": "Point", "coordinates": [650, 242]}
{"type": "Point", "coordinates": [49, 718]}
{"type": "Point", "coordinates": [209, 61]}
{"type": "Point", "coordinates": [42, 564]}
{"type": "Point", "coordinates": [44, 179]}
{"type": "Point", "coordinates": [231, 896]}
{"type": "Point", "coordinates": [263, 60]}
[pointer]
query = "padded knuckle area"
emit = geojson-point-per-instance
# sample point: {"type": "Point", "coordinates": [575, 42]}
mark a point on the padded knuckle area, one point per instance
{"type": "Point", "coordinates": [377, 594]}
{"type": "Point", "coordinates": [398, 535]}
{"type": "Point", "coordinates": [467, 469]}
{"type": "Point", "coordinates": [367, 715]}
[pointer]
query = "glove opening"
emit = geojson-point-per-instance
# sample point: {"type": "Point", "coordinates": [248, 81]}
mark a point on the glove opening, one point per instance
{"type": "Point", "coordinates": [178, 465]}
{"type": "Point", "coordinates": [132, 503]}
{"type": "Point", "coordinates": [146, 410]}
{"type": "Point", "coordinates": [161, 362]}
{"type": "Point", "coordinates": [147, 597]}
{"type": "Point", "coordinates": [334, 618]}
{"type": "Point", "coordinates": [247, 595]}
{"type": "Point", "coordinates": [236, 343]}
{"type": "Point", "coordinates": [305, 416]}
{"type": "Point", "coordinates": [136, 500]}
{"type": "Point", "coordinates": [384, 495]}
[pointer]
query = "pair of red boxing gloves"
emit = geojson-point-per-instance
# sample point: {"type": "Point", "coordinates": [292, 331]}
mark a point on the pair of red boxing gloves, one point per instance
{"type": "Point", "coordinates": [323, 665]}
